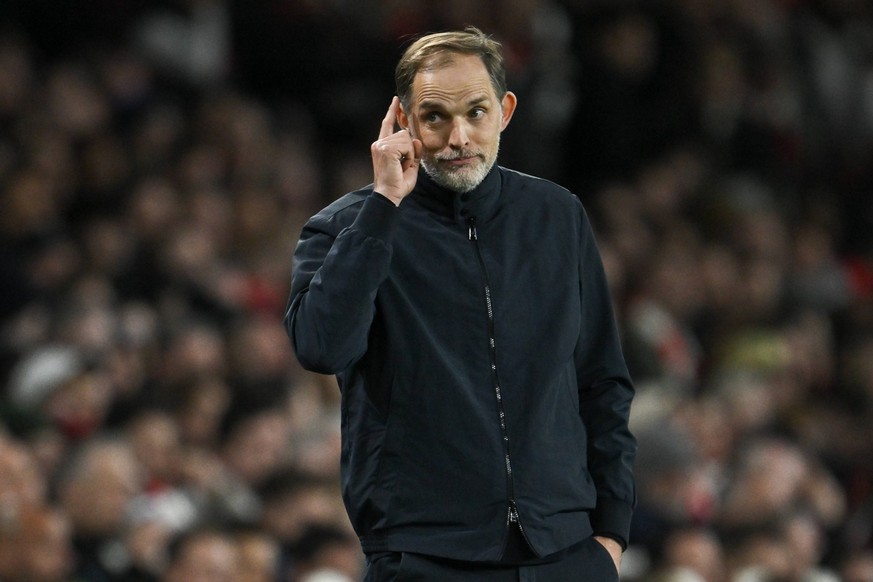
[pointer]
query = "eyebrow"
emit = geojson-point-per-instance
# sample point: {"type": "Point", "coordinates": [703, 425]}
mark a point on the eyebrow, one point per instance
{"type": "Point", "coordinates": [430, 104]}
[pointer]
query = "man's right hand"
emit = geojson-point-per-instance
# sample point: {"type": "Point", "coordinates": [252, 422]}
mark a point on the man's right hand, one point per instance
{"type": "Point", "coordinates": [396, 156]}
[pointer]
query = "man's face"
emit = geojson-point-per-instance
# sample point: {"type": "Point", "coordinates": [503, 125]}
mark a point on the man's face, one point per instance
{"type": "Point", "coordinates": [456, 114]}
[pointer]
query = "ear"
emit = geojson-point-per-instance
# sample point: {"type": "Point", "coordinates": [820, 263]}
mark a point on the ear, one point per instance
{"type": "Point", "coordinates": [507, 105]}
{"type": "Point", "coordinates": [402, 118]}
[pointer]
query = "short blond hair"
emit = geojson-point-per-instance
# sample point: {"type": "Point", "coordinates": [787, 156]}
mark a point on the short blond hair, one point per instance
{"type": "Point", "coordinates": [470, 41]}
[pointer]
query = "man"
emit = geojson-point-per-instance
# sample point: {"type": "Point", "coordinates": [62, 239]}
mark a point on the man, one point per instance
{"type": "Point", "coordinates": [96, 488]}
{"type": "Point", "coordinates": [464, 309]}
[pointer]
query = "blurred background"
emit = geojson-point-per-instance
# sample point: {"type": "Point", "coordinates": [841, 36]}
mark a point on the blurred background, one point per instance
{"type": "Point", "coordinates": [158, 159]}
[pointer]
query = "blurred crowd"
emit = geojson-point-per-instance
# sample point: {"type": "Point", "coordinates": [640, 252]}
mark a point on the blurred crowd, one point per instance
{"type": "Point", "coordinates": [158, 159]}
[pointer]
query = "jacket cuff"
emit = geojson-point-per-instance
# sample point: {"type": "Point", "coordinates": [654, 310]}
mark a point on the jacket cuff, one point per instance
{"type": "Point", "coordinates": [612, 518]}
{"type": "Point", "coordinates": [377, 218]}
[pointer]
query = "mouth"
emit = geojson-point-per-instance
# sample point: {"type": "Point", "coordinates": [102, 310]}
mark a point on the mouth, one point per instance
{"type": "Point", "coordinates": [460, 161]}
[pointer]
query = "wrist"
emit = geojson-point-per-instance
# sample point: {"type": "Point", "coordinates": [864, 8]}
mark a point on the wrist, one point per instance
{"type": "Point", "coordinates": [604, 536]}
{"type": "Point", "coordinates": [389, 194]}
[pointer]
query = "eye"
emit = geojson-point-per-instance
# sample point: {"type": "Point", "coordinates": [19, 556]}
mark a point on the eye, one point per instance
{"type": "Point", "coordinates": [477, 113]}
{"type": "Point", "coordinates": [432, 117]}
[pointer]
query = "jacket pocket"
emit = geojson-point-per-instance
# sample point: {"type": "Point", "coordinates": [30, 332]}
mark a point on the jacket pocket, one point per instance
{"type": "Point", "coordinates": [606, 565]}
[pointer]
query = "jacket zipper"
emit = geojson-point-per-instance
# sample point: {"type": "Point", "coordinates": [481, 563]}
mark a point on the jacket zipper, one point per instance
{"type": "Point", "coordinates": [512, 516]}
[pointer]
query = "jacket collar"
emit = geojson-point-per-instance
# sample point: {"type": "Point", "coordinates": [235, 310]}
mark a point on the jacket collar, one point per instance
{"type": "Point", "coordinates": [480, 202]}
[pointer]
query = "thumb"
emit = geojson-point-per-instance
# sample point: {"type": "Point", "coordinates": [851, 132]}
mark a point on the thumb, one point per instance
{"type": "Point", "coordinates": [416, 150]}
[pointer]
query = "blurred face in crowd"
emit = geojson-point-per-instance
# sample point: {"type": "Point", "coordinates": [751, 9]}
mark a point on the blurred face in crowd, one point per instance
{"type": "Point", "coordinates": [458, 117]}
{"type": "Point", "coordinates": [858, 567]}
{"type": "Point", "coordinates": [258, 557]}
{"type": "Point", "coordinates": [258, 446]}
{"type": "Point", "coordinates": [46, 551]}
{"type": "Point", "coordinates": [20, 478]}
{"type": "Point", "coordinates": [79, 406]}
{"type": "Point", "coordinates": [35, 545]}
{"type": "Point", "coordinates": [97, 493]}
{"type": "Point", "coordinates": [200, 416]}
{"type": "Point", "coordinates": [286, 517]}
{"type": "Point", "coordinates": [205, 558]}
{"type": "Point", "coordinates": [697, 551]}
{"type": "Point", "coordinates": [155, 440]}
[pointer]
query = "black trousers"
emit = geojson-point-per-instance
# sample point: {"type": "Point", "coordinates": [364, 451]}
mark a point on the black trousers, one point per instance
{"type": "Point", "coordinates": [587, 561]}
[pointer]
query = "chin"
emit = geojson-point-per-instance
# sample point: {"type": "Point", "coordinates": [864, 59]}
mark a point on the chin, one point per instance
{"type": "Point", "coordinates": [462, 180]}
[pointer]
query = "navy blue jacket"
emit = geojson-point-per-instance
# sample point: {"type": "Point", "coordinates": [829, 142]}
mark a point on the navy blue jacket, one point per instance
{"type": "Point", "coordinates": [482, 378]}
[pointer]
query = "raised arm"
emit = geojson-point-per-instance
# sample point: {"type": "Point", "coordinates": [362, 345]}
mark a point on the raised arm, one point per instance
{"type": "Point", "coordinates": [344, 254]}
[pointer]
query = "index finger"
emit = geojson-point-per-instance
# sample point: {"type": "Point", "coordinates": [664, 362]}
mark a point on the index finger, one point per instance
{"type": "Point", "coordinates": [390, 119]}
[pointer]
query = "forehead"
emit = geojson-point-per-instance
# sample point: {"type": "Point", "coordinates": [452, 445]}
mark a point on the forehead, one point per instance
{"type": "Point", "coordinates": [452, 76]}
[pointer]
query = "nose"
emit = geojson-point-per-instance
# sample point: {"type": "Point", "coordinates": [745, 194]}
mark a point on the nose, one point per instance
{"type": "Point", "coordinates": [458, 137]}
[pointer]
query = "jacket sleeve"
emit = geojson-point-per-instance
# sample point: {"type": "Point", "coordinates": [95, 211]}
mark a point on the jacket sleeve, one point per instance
{"type": "Point", "coordinates": [335, 277]}
{"type": "Point", "coordinates": [605, 393]}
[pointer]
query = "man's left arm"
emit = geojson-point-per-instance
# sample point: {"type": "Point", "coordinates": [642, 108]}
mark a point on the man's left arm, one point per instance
{"type": "Point", "coordinates": [605, 394]}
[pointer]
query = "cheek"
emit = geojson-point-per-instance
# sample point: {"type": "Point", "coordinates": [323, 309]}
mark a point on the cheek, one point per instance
{"type": "Point", "coordinates": [432, 141]}
{"type": "Point", "coordinates": [490, 134]}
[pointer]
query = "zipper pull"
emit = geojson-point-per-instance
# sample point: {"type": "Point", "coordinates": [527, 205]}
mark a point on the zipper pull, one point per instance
{"type": "Point", "coordinates": [513, 513]}
{"type": "Point", "coordinates": [471, 229]}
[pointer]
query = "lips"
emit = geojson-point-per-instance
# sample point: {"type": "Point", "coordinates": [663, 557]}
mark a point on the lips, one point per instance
{"type": "Point", "coordinates": [462, 160]}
